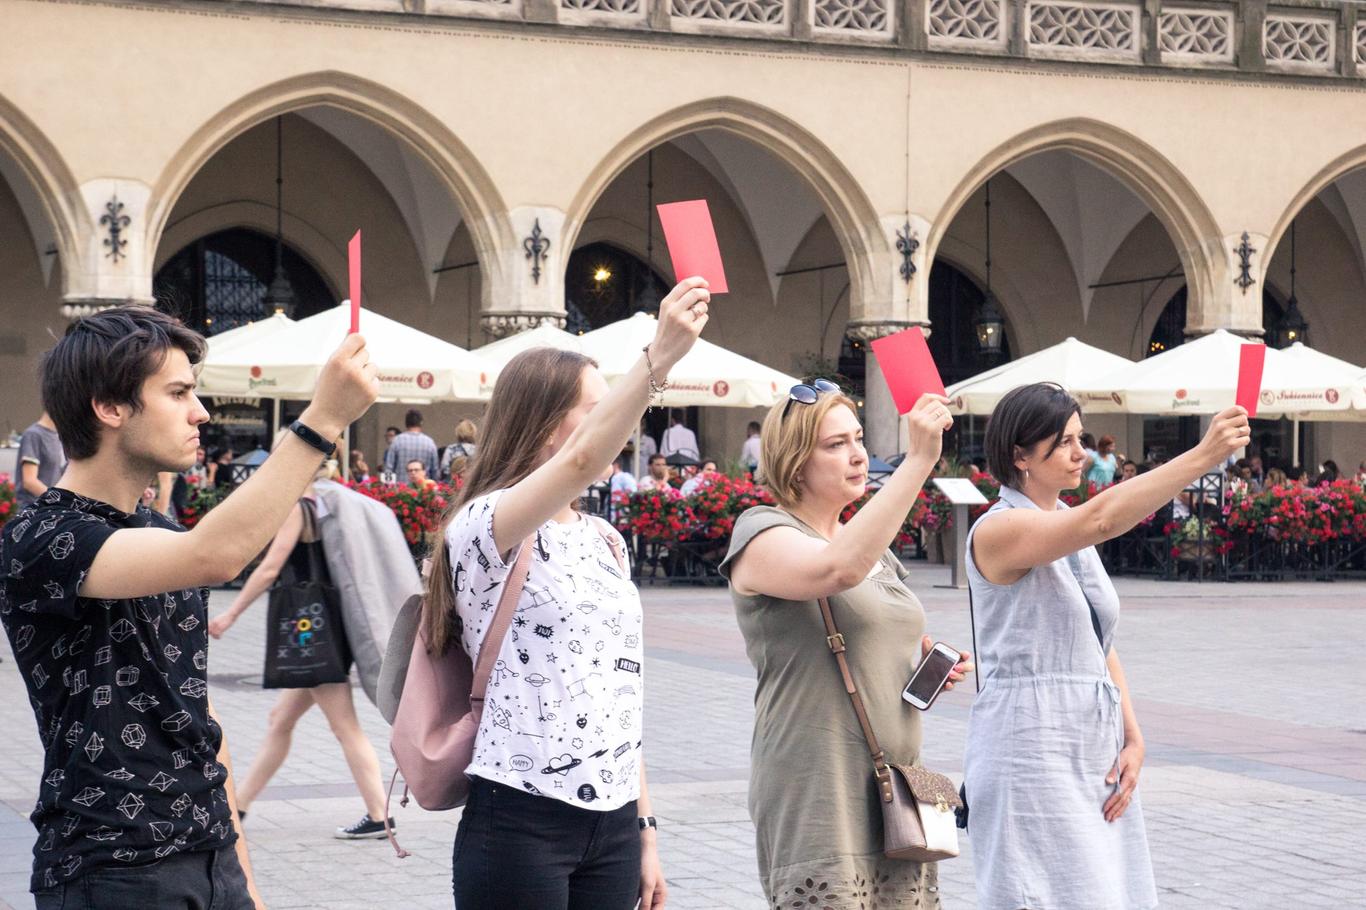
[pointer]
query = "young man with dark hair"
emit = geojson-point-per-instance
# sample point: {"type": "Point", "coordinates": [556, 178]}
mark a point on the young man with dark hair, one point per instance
{"type": "Point", "coordinates": [104, 606]}
{"type": "Point", "coordinates": [413, 445]}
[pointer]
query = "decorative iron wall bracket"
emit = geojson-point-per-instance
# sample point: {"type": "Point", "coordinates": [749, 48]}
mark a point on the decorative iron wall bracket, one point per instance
{"type": "Point", "coordinates": [115, 221]}
{"type": "Point", "coordinates": [537, 247]}
{"type": "Point", "coordinates": [1244, 251]}
{"type": "Point", "coordinates": [906, 244]}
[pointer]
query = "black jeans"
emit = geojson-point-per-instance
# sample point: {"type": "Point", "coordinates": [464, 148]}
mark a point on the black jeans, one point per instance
{"type": "Point", "coordinates": [516, 851]}
{"type": "Point", "coordinates": [204, 880]}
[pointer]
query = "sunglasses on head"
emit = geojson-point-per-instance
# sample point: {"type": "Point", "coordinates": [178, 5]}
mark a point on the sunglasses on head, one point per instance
{"type": "Point", "coordinates": [809, 393]}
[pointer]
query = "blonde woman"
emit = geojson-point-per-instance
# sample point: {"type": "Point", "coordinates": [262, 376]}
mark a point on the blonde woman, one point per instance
{"type": "Point", "coordinates": [816, 815]}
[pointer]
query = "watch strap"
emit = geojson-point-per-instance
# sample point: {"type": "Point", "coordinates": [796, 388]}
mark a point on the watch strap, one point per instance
{"type": "Point", "coordinates": [648, 821]}
{"type": "Point", "coordinates": [313, 438]}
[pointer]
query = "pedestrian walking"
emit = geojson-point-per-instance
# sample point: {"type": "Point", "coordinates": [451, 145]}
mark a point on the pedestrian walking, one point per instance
{"type": "Point", "coordinates": [558, 816]}
{"type": "Point", "coordinates": [104, 609]}
{"type": "Point", "coordinates": [678, 438]}
{"type": "Point", "coordinates": [812, 796]}
{"type": "Point", "coordinates": [286, 562]}
{"type": "Point", "coordinates": [1054, 748]}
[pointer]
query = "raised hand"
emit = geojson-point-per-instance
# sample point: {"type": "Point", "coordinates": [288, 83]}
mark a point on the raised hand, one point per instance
{"type": "Point", "coordinates": [1228, 432]}
{"type": "Point", "coordinates": [346, 388]}
{"type": "Point", "coordinates": [682, 316]}
{"type": "Point", "coordinates": [929, 420]}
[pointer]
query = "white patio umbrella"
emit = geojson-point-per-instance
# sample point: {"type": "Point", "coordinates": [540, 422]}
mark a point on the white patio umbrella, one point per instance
{"type": "Point", "coordinates": [1201, 377]}
{"type": "Point", "coordinates": [707, 376]}
{"type": "Point", "coordinates": [412, 365]}
{"type": "Point", "coordinates": [494, 356]}
{"type": "Point", "coordinates": [1070, 363]}
{"type": "Point", "coordinates": [1311, 359]}
{"type": "Point", "coordinates": [250, 333]}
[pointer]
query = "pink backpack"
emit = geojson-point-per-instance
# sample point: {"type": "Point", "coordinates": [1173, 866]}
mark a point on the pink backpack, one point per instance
{"type": "Point", "coordinates": [434, 702]}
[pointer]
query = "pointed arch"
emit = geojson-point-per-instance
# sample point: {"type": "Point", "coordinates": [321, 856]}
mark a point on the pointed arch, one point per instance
{"type": "Point", "coordinates": [851, 214]}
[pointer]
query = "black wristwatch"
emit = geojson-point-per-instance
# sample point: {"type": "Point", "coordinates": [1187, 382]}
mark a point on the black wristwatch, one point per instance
{"type": "Point", "coordinates": [310, 436]}
{"type": "Point", "coordinates": [649, 822]}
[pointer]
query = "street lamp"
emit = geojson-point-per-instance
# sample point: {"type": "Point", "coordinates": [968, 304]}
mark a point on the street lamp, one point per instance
{"type": "Point", "coordinates": [989, 323]}
{"type": "Point", "coordinates": [279, 297]}
{"type": "Point", "coordinates": [1292, 326]}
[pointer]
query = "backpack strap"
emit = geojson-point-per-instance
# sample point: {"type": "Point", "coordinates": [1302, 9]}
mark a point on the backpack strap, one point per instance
{"type": "Point", "coordinates": [498, 627]}
{"type": "Point", "coordinates": [609, 537]}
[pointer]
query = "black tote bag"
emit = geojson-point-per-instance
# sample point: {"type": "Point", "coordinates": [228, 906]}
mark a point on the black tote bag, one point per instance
{"type": "Point", "coordinates": [305, 641]}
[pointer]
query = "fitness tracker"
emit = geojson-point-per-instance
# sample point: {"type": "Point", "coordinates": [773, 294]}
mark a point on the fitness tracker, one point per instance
{"type": "Point", "coordinates": [310, 436]}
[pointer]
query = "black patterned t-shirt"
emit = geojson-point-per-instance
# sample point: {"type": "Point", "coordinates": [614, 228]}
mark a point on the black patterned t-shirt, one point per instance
{"type": "Point", "coordinates": [118, 687]}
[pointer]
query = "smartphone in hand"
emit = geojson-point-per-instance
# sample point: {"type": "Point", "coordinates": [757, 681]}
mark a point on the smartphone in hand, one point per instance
{"type": "Point", "coordinates": [929, 678]}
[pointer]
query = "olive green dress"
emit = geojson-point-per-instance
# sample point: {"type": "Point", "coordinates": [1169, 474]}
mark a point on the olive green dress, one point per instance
{"type": "Point", "coordinates": [817, 821]}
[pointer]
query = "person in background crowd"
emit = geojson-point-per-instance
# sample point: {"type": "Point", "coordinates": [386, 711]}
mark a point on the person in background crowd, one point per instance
{"type": "Point", "coordinates": [360, 471]}
{"type": "Point", "coordinates": [460, 466]}
{"type": "Point", "coordinates": [623, 481]}
{"type": "Point", "coordinates": [1328, 472]}
{"type": "Point", "coordinates": [1128, 470]}
{"type": "Point", "coordinates": [700, 479]}
{"type": "Point", "coordinates": [979, 465]}
{"type": "Point", "coordinates": [465, 433]}
{"type": "Point", "coordinates": [658, 478]}
{"type": "Point", "coordinates": [1361, 473]}
{"type": "Point", "coordinates": [292, 704]}
{"type": "Point", "coordinates": [417, 474]}
{"type": "Point", "coordinates": [198, 474]}
{"type": "Point", "coordinates": [1298, 475]}
{"type": "Point", "coordinates": [413, 444]}
{"type": "Point", "coordinates": [389, 434]}
{"type": "Point", "coordinates": [1104, 463]}
{"type": "Point", "coordinates": [220, 468]}
{"type": "Point", "coordinates": [41, 461]}
{"type": "Point", "coordinates": [1088, 445]}
{"type": "Point", "coordinates": [749, 452]}
{"type": "Point", "coordinates": [1256, 480]}
{"type": "Point", "coordinates": [678, 438]}
{"type": "Point", "coordinates": [1276, 478]}
{"type": "Point", "coordinates": [647, 444]}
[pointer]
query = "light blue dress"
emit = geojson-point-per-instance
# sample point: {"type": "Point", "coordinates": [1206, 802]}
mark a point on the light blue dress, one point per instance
{"type": "Point", "coordinates": [1043, 735]}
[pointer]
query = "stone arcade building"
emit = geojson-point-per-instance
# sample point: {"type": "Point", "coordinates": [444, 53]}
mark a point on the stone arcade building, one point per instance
{"type": "Point", "coordinates": [1146, 163]}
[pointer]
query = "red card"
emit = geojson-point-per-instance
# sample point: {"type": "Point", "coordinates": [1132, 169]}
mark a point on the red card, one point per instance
{"type": "Point", "coordinates": [692, 243]}
{"type": "Point", "coordinates": [908, 367]}
{"type": "Point", "coordinates": [1251, 358]}
{"type": "Point", "coordinates": [353, 264]}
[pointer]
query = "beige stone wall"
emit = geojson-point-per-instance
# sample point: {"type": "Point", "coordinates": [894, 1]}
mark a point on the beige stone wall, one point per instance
{"type": "Point", "coordinates": [521, 124]}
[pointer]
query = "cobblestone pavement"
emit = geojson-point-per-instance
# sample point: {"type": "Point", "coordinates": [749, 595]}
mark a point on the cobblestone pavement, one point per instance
{"type": "Point", "coordinates": [1251, 697]}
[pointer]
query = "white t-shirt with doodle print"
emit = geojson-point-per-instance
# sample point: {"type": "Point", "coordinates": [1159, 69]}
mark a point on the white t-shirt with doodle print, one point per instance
{"type": "Point", "coordinates": [562, 715]}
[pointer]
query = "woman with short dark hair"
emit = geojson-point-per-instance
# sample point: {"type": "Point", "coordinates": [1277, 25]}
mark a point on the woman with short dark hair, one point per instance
{"type": "Point", "coordinates": [1054, 748]}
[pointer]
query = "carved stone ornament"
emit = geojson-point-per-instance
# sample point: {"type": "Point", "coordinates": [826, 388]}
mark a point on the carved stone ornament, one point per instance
{"type": "Point", "coordinates": [872, 331]}
{"type": "Point", "coordinates": [906, 244]}
{"type": "Point", "coordinates": [501, 325]}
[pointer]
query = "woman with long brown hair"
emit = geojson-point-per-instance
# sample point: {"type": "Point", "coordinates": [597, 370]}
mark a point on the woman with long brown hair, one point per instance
{"type": "Point", "coordinates": [558, 815]}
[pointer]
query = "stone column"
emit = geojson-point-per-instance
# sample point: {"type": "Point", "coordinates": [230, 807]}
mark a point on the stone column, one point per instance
{"type": "Point", "coordinates": [113, 262]}
{"type": "Point", "coordinates": [881, 423]}
{"type": "Point", "coordinates": [526, 286]}
{"type": "Point", "coordinates": [1231, 297]}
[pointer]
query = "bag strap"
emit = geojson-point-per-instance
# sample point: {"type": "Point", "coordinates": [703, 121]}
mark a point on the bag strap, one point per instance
{"type": "Point", "coordinates": [498, 627]}
{"type": "Point", "coordinates": [604, 529]}
{"type": "Point", "coordinates": [835, 640]}
{"type": "Point", "coordinates": [312, 547]}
